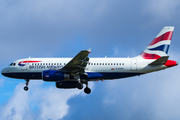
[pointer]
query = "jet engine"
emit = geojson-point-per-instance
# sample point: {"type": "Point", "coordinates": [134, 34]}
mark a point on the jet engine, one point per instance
{"type": "Point", "coordinates": [67, 84]}
{"type": "Point", "coordinates": [54, 75]}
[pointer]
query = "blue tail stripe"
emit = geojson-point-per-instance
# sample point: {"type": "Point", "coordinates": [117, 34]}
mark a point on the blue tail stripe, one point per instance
{"type": "Point", "coordinates": [164, 48]}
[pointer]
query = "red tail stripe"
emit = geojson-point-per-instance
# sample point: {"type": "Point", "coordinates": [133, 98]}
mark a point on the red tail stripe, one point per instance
{"type": "Point", "coordinates": [165, 36]}
{"type": "Point", "coordinates": [149, 56]}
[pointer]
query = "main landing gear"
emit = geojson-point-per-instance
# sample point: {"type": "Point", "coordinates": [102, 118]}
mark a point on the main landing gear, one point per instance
{"type": "Point", "coordinates": [79, 85]}
{"type": "Point", "coordinates": [27, 83]}
{"type": "Point", "coordinates": [87, 90]}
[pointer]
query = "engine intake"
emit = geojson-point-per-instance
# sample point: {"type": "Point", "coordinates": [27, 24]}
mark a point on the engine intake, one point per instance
{"type": "Point", "coordinates": [54, 75]}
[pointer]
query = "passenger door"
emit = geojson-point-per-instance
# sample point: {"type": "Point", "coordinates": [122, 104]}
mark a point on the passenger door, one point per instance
{"type": "Point", "coordinates": [134, 64]}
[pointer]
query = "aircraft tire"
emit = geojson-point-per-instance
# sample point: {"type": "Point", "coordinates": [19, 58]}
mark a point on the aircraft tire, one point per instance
{"type": "Point", "coordinates": [87, 90]}
{"type": "Point", "coordinates": [26, 88]}
{"type": "Point", "coordinates": [80, 86]}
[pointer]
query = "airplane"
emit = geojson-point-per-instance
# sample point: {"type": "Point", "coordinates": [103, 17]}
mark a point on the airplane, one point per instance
{"type": "Point", "coordinates": [74, 72]}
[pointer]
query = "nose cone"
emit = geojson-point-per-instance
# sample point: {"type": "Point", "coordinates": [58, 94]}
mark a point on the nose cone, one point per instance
{"type": "Point", "coordinates": [4, 71]}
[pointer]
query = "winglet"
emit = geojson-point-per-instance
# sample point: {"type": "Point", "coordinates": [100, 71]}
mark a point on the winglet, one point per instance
{"type": "Point", "coordinates": [89, 50]}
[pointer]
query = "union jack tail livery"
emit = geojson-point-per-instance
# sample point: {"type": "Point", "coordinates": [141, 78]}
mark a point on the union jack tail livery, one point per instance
{"type": "Point", "coordinates": [160, 45]}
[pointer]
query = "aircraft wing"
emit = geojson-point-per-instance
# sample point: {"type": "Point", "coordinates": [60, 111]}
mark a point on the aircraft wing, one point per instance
{"type": "Point", "coordinates": [78, 63]}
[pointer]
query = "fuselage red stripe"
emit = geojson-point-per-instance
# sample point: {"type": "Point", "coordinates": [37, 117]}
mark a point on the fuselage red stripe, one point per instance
{"type": "Point", "coordinates": [30, 61]}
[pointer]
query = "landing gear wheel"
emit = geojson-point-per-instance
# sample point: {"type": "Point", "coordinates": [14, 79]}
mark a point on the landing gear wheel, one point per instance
{"type": "Point", "coordinates": [80, 86]}
{"type": "Point", "coordinates": [26, 88]}
{"type": "Point", "coordinates": [27, 83]}
{"type": "Point", "coordinates": [87, 90]}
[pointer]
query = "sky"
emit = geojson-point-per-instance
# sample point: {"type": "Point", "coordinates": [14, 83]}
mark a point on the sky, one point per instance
{"type": "Point", "coordinates": [62, 28]}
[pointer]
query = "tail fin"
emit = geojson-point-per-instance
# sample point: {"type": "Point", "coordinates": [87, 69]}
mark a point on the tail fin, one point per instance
{"type": "Point", "coordinates": [160, 45]}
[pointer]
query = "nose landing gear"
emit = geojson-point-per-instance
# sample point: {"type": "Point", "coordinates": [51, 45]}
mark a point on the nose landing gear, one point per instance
{"type": "Point", "coordinates": [27, 83]}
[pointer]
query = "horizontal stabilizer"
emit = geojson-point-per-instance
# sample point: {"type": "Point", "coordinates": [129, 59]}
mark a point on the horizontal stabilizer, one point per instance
{"type": "Point", "coordinates": [160, 61]}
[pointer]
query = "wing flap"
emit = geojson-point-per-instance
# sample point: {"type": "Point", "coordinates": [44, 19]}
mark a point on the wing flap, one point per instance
{"type": "Point", "coordinates": [78, 63]}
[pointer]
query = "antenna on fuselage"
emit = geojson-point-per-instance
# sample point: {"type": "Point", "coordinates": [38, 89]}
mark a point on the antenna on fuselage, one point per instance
{"type": "Point", "coordinates": [29, 56]}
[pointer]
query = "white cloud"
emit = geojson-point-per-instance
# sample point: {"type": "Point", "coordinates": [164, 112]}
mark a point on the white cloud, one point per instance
{"type": "Point", "coordinates": [16, 106]}
{"type": "Point", "coordinates": [38, 103]}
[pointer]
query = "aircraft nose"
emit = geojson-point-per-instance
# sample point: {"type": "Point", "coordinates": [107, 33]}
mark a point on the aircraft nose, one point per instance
{"type": "Point", "coordinates": [4, 71]}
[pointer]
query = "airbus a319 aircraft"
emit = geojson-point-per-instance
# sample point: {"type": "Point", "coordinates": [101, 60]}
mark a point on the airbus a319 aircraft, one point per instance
{"type": "Point", "coordinates": [74, 72]}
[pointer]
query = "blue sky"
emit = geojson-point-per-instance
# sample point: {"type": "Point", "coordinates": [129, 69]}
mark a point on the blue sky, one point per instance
{"type": "Point", "coordinates": [61, 28]}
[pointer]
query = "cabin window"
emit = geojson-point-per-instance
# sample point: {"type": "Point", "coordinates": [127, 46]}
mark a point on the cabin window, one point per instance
{"type": "Point", "coordinates": [122, 63]}
{"type": "Point", "coordinates": [57, 63]}
{"type": "Point", "coordinates": [54, 63]}
{"type": "Point", "coordinates": [108, 63]}
{"type": "Point", "coordinates": [99, 63]}
{"type": "Point", "coordinates": [105, 63]}
{"type": "Point", "coordinates": [102, 63]}
{"type": "Point", "coordinates": [111, 63]}
{"type": "Point", "coordinates": [94, 63]}
{"type": "Point", "coordinates": [91, 63]}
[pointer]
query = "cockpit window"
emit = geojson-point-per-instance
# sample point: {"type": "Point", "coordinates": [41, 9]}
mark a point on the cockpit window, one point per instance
{"type": "Point", "coordinates": [12, 64]}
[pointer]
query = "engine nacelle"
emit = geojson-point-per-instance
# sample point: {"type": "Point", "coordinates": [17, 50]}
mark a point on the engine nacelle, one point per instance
{"type": "Point", "coordinates": [67, 84]}
{"type": "Point", "coordinates": [94, 75]}
{"type": "Point", "coordinates": [54, 75]}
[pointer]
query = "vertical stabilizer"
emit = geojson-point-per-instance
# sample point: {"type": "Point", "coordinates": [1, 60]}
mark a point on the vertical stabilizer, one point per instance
{"type": "Point", "coordinates": [160, 45]}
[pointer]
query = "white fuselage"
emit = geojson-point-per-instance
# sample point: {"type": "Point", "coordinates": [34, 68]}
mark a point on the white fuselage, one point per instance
{"type": "Point", "coordinates": [111, 68]}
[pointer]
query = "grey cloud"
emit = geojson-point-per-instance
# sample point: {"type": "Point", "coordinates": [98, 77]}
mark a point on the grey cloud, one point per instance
{"type": "Point", "coordinates": [42, 28]}
{"type": "Point", "coordinates": [162, 9]}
